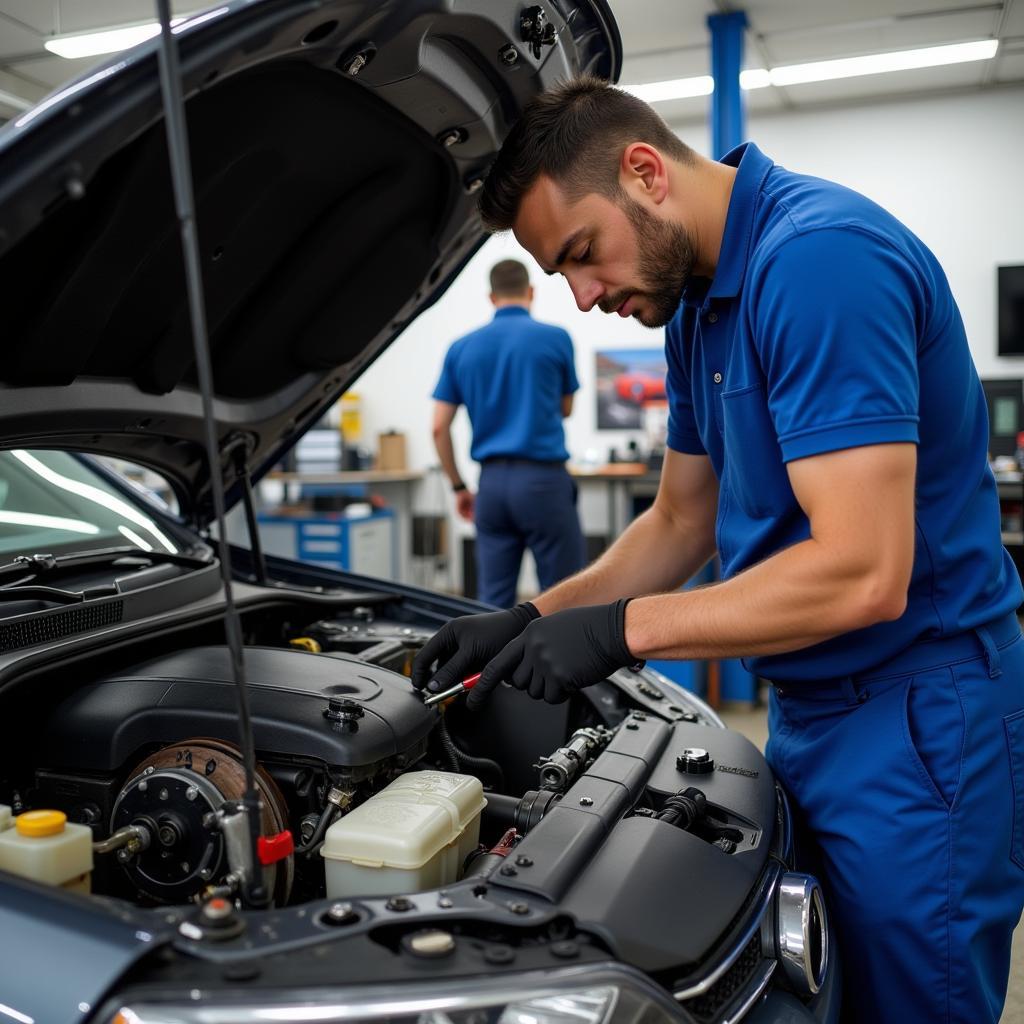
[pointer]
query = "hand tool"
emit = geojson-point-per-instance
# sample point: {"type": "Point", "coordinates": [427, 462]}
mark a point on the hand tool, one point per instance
{"type": "Point", "coordinates": [453, 691]}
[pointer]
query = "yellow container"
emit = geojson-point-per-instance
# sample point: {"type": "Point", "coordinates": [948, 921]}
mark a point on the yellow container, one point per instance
{"type": "Point", "coordinates": [413, 835]}
{"type": "Point", "coordinates": [351, 417]}
{"type": "Point", "coordinates": [46, 847]}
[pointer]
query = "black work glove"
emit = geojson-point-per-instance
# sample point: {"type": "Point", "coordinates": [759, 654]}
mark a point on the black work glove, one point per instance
{"type": "Point", "coordinates": [558, 654]}
{"type": "Point", "coordinates": [464, 645]}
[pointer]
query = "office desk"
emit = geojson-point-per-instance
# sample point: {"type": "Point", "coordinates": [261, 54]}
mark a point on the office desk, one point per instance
{"type": "Point", "coordinates": [396, 485]}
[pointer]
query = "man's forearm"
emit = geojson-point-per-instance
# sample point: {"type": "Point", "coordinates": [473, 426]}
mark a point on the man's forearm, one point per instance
{"type": "Point", "coordinates": [653, 555]}
{"type": "Point", "coordinates": [795, 599]}
{"type": "Point", "coordinates": [446, 453]}
{"type": "Point", "coordinates": [852, 572]}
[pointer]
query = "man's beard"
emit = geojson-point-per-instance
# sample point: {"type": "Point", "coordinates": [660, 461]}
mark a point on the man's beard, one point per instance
{"type": "Point", "coordinates": [666, 258]}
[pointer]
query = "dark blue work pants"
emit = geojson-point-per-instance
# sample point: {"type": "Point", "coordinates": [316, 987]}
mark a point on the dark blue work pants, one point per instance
{"type": "Point", "coordinates": [910, 784]}
{"type": "Point", "coordinates": [522, 504]}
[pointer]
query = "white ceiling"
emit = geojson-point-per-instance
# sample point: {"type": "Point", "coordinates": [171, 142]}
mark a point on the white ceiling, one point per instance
{"type": "Point", "coordinates": [662, 39]}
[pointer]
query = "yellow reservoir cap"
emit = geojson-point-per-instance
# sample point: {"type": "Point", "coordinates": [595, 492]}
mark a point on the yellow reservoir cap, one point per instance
{"type": "Point", "coordinates": [40, 823]}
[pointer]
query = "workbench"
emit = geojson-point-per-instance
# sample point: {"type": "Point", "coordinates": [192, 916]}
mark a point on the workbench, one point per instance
{"type": "Point", "coordinates": [395, 485]}
{"type": "Point", "coordinates": [609, 514]}
{"type": "Point", "coordinates": [620, 483]}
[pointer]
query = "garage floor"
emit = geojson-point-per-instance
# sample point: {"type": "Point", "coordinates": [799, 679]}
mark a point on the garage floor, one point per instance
{"type": "Point", "coordinates": [753, 723]}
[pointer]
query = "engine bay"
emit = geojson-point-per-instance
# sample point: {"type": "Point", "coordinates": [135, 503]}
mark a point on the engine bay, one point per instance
{"type": "Point", "coordinates": [146, 754]}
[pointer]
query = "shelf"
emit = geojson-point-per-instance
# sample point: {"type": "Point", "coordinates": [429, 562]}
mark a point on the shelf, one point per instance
{"type": "Point", "coordinates": [360, 476]}
{"type": "Point", "coordinates": [614, 471]}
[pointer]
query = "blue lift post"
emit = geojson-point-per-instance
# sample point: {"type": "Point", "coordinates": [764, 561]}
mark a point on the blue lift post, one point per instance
{"type": "Point", "coordinates": [727, 121]}
{"type": "Point", "coordinates": [728, 130]}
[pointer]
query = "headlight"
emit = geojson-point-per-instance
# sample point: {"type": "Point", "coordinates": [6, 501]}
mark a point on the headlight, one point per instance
{"type": "Point", "coordinates": [613, 994]}
{"type": "Point", "coordinates": [802, 932]}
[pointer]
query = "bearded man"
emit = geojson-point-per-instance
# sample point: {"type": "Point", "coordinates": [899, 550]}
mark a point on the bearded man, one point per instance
{"type": "Point", "coordinates": [828, 438]}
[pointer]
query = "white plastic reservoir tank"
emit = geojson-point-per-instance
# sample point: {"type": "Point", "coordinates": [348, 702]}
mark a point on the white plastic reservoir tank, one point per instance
{"type": "Point", "coordinates": [413, 835]}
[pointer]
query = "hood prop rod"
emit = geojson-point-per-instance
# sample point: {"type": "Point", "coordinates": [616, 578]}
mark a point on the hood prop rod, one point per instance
{"type": "Point", "coordinates": [255, 547]}
{"type": "Point", "coordinates": [250, 876]}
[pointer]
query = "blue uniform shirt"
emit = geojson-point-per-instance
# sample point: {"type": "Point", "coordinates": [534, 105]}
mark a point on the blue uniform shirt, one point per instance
{"type": "Point", "coordinates": [511, 376]}
{"type": "Point", "coordinates": [829, 325]}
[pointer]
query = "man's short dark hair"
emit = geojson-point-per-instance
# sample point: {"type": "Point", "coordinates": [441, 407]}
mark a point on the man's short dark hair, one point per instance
{"type": "Point", "coordinates": [509, 279]}
{"type": "Point", "coordinates": [575, 134]}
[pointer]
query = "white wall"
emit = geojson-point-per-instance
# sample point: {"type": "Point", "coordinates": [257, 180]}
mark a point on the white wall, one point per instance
{"type": "Point", "coordinates": [949, 167]}
{"type": "Point", "coordinates": [396, 390]}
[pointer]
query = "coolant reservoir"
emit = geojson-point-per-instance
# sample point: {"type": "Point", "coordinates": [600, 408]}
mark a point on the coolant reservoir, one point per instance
{"type": "Point", "coordinates": [46, 847]}
{"type": "Point", "coordinates": [6, 821]}
{"type": "Point", "coordinates": [413, 835]}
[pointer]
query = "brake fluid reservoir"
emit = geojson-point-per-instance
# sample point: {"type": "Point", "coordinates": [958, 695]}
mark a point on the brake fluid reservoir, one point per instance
{"type": "Point", "coordinates": [46, 847]}
{"type": "Point", "coordinates": [413, 835]}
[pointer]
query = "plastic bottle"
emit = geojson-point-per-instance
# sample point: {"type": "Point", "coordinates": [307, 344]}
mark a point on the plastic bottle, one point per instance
{"type": "Point", "coordinates": [44, 846]}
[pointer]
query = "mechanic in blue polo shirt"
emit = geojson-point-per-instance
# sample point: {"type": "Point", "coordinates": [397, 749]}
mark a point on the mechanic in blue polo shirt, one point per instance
{"type": "Point", "coordinates": [828, 438]}
{"type": "Point", "coordinates": [516, 378]}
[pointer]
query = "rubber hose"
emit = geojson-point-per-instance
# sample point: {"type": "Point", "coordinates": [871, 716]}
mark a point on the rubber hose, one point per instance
{"type": "Point", "coordinates": [316, 839]}
{"type": "Point", "coordinates": [464, 760]}
{"type": "Point", "coordinates": [684, 809]}
{"type": "Point", "coordinates": [500, 811]}
{"type": "Point", "coordinates": [449, 747]}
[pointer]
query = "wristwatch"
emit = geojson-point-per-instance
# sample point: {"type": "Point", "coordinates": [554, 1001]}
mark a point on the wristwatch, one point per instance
{"type": "Point", "coordinates": [460, 486]}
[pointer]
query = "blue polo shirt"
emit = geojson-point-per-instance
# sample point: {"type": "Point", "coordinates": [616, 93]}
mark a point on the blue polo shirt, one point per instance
{"type": "Point", "coordinates": [511, 376]}
{"type": "Point", "coordinates": [829, 325]}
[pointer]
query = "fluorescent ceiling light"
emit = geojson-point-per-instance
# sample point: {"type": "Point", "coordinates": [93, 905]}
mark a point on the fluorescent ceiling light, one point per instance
{"type": "Point", "coordinates": [879, 63]}
{"type": "Point", "coordinates": [113, 40]}
{"type": "Point", "coordinates": [823, 70]}
{"type": "Point", "coordinates": [676, 89]}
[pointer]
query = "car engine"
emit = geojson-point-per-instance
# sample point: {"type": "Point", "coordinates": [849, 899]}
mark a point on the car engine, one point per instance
{"type": "Point", "coordinates": [147, 754]}
{"type": "Point", "coordinates": [325, 725]}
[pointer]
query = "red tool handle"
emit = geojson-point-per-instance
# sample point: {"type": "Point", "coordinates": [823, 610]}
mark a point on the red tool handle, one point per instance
{"type": "Point", "coordinates": [470, 681]}
{"type": "Point", "coordinates": [274, 848]}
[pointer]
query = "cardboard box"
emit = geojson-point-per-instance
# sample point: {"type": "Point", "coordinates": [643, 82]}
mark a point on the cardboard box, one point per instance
{"type": "Point", "coordinates": [391, 451]}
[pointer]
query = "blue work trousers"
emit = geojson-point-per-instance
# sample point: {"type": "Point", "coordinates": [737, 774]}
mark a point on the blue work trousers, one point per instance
{"type": "Point", "coordinates": [909, 784]}
{"type": "Point", "coordinates": [522, 504]}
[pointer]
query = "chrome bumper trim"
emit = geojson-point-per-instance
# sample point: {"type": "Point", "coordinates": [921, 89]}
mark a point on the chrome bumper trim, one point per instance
{"type": "Point", "coordinates": [765, 901]}
{"type": "Point", "coordinates": [755, 993]}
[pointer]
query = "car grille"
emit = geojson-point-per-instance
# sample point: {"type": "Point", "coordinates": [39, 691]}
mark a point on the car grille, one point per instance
{"type": "Point", "coordinates": [731, 987]}
{"type": "Point", "coordinates": [47, 628]}
{"type": "Point", "coordinates": [743, 973]}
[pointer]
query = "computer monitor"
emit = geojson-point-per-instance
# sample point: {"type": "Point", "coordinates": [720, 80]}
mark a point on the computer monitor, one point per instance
{"type": "Point", "coordinates": [1010, 310]}
{"type": "Point", "coordinates": [1005, 399]}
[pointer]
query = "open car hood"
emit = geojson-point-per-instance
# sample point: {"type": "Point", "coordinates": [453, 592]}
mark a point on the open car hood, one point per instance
{"type": "Point", "coordinates": [336, 146]}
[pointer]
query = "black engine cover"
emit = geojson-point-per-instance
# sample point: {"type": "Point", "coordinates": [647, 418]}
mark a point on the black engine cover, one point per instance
{"type": "Point", "coordinates": [191, 693]}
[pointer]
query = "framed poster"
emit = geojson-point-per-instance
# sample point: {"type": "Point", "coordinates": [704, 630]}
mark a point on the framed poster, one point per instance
{"type": "Point", "coordinates": [628, 380]}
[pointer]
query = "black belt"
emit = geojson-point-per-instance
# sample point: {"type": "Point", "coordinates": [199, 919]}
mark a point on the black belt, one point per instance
{"type": "Point", "coordinates": [501, 460]}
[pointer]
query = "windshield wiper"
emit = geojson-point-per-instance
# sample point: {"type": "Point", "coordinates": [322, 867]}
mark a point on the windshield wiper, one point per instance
{"type": "Point", "coordinates": [33, 566]}
{"type": "Point", "coordinates": [13, 592]}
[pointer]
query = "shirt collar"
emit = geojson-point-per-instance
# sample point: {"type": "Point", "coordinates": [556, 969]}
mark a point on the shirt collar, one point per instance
{"type": "Point", "coordinates": [511, 311]}
{"type": "Point", "coordinates": [752, 167]}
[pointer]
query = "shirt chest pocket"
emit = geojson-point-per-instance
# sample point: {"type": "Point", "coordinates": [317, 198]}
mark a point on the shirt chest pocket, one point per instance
{"type": "Point", "coordinates": [754, 471]}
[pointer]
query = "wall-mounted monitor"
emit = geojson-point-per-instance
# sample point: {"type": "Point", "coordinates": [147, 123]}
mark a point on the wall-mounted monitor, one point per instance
{"type": "Point", "coordinates": [1005, 400]}
{"type": "Point", "coordinates": [1010, 310]}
